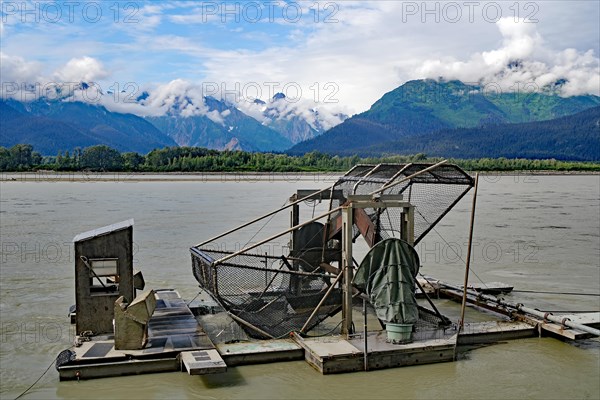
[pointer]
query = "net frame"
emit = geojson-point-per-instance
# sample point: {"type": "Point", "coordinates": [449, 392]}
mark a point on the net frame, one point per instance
{"type": "Point", "coordinates": [272, 295]}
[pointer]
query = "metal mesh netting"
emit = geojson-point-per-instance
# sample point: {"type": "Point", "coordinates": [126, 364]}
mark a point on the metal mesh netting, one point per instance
{"type": "Point", "coordinates": [270, 294]}
{"type": "Point", "coordinates": [276, 292]}
{"type": "Point", "coordinates": [432, 193]}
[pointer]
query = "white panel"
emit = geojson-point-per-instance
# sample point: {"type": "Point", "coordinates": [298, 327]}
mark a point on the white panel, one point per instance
{"type": "Point", "coordinates": [105, 267]}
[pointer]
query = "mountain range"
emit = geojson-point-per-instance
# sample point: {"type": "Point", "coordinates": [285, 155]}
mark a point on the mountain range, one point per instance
{"type": "Point", "coordinates": [53, 126]}
{"type": "Point", "coordinates": [426, 106]}
{"type": "Point", "coordinates": [574, 137]}
{"type": "Point", "coordinates": [234, 131]}
{"type": "Point", "coordinates": [436, 117]}
{"type": "Point", "coordinates": [63, 124]}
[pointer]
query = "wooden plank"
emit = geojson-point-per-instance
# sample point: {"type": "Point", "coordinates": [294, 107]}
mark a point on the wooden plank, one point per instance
{"type": "Point", "coordinates": [259, 352]}
{"type": "Point", "coordinates": [117, 368]}
{"type": "Point", "coordinates": [203, 362]}
{"type": "Point", "coordinates": [365, 226]}
{"type": "Point", "coordinates": [337, 355]}
{"type": "Point", "coordinates": [568, 333]}
{"type": "Point", "coordinates": [492, 332]}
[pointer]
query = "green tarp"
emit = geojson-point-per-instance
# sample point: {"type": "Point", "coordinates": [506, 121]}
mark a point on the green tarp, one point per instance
{"type": "Point", "coordinates": [387, 275]}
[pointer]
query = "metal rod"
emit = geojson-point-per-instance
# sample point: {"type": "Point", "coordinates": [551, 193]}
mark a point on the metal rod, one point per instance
{"type": "Point", "coordinates": [468, 263]}
{"type": "Point", "coordinates": [347, 269]}
{"type": "Point", "coordinates": [527, 310]}
{"type": "Point", "coordinates": [293, 228]}
{"type": "Point", "coordinates": [249, 325]}
{"type": "Point", "coordinates": [434, 223]}
{"type": "Point", "coordinates": [291, 272]}
{"type": "Point", "coordinates": [85, 262]}
{"type": "Point", "coordinates": [261, 217]}
{"type": "Point", "coordinates": [365, 335]}
{"type": "Point", "coordinates": [312, 315]}
{"type": "Point", "coordinates": [558, 320]}
{"type": "Point", "coordinates": [364, 177]}
{"type": "Point", "coordinates": [408, 177]}
{"type": "Point", "coordinates": [437, 312]}
{"type": "Point", "coordinates": [397, 174]}
{"type": "Point", "coordinates": [270, 282]}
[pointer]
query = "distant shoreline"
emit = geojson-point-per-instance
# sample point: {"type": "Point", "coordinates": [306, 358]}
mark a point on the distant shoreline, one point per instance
{"type": "Point", "coordinates": [323, 176]}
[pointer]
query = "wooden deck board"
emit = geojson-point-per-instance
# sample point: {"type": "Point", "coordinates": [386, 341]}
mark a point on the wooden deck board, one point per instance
{"type": "Point", "coordinates": [333, 355]}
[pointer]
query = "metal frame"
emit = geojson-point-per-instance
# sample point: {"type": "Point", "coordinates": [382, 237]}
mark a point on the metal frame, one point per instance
{"type": "Point", "coordinates": [387, 177]}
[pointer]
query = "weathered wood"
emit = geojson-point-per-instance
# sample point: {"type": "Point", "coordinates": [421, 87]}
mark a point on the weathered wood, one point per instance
{"type": "Point", "coordinates": [260, 352]}
{"type": "Point", "coordinates": [337, 355]}
{"type": "Point", "coordinates": [365, 226]}
{"type": "Point", "coordinates": [493, 332]}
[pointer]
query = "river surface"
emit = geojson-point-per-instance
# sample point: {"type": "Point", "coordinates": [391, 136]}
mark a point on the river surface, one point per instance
{"type": "Point", "coordinates": [538, 233]}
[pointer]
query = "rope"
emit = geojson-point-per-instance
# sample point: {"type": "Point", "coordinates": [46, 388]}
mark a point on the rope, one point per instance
{"type": "Point", "coordinates": [572, 311]}
{"type": "Point", "coordinates": [448, 244]}
{"type": "Point", "coordinates": [566, 293]}
{"type": "Point", "coordinates": [326, 333]}
{"type": "Point", "coordinates": [190, 302]}
{"type": "Point", "coordinates": [262, 227]}
{"type": "Point", "coordinates": [41, 376]}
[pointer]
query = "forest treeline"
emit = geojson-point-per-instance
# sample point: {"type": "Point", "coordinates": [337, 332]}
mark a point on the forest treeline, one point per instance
{"type": "Point", "coordinates": [22, 157]}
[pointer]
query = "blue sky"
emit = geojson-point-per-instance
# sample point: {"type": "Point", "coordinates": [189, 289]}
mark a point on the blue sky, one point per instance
{"type": "Point", "coordinates": [340, 55]}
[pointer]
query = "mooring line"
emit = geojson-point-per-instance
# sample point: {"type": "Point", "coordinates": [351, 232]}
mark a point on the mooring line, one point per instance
{"type": "Point", "coordinates": [566, 293]}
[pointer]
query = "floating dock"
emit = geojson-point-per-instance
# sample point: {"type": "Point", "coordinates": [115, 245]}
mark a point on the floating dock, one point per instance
{"type": "Point", "coordinates": [265, 305]}
{"type": "Point", "coordinates": [335, 354]}
{"type": "Point", "coordinates": [176, 342]}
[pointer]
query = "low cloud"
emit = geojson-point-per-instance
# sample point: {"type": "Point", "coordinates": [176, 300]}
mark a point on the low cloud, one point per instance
{"type": "Point", "coordinates": [83, 69]}
{"type": "Point", "coordinates": [17, 69]}
{"type": "Point", "coordinates": [524, 62]}
{"type": "Point", "coordinates": [177, 98]}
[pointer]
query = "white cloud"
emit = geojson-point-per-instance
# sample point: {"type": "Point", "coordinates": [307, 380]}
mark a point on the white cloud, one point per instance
{"type": "Point", "coordinates": [523, 62]}
{"type": "Point", "coordinates": [83, 69]}
{"type": "Point", "coordinates": [372, 48]}
{"type": "Point", "coordinates": [319, 118]}
{"type": "Point", "coordinates": [17, 69]}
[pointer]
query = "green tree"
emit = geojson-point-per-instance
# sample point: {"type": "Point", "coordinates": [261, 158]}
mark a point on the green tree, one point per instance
{"type": "Point", "coordinates": [133, 161]}
{"type": "Point", "coordinates": [101, 158]}
{"type": "Point", "coordinates": [4, 159]}
{"type": "Point", "coordinates": [21, 157]}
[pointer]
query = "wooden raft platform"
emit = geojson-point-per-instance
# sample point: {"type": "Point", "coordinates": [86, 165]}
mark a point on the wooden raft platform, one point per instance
{"type": "Point", "coordinates": [260, 352]}
{"type": "Point", "coordinates": [334, 354]}
{"type": "Point", "coordinates": [176, 342]}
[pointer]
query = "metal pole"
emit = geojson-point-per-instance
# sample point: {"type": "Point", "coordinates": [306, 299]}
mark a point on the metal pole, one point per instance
{"type": "Point", "coordinates": [365, 334]}
{"type": "Point", "coordinates": [347, 224]}
{"type": "Point", "coordinates": [468, 263]}
{"type": "Point", "coordinates": [249, 325]}
{"type": "Point", "coordinates": [293, 228]}
{"type": "Point", "coordinates": [312, 315]}
{"type": "Point", "coordinates": [262, 217]}
{"type": "Point", "coordinates": [558, 320]}
{"type": "Point", "coordinates": [408, 177]}
{"type": "Point", "coordinates": [437, 312]}
{"type": "Point", "coordinates": [527, 310]}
